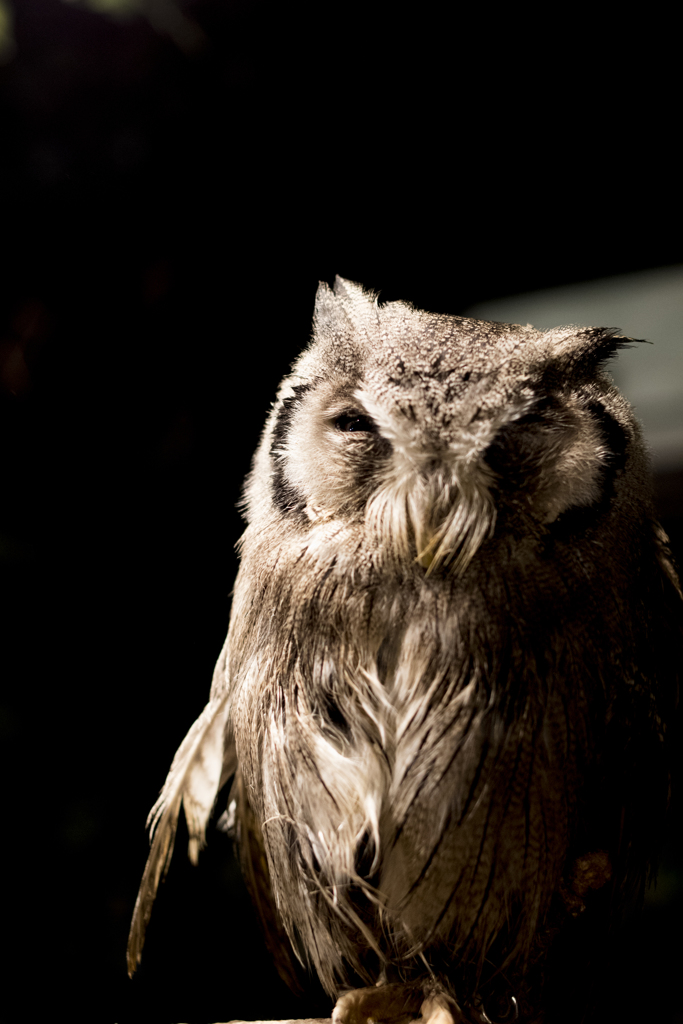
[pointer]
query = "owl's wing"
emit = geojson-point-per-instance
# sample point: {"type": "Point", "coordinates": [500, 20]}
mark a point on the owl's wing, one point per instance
{"type": "Point", "coordinates": [254, 865]}
{"type": "Point", "coordinates": [203, 763]}
{"type": "Point", "coordinates": [650, 728]}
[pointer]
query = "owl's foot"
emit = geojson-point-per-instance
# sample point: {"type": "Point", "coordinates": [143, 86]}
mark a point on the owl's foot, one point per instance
{"type": "Point", "coordinates": [393, 1004]}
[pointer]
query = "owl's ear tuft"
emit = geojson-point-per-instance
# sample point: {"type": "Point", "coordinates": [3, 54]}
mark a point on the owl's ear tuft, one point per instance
{"type": "Point", "coordinates": [341, 299]}
{"type": "Point", "coordinates": [326, 304]}
{"type": "Point", "coordinates": [347, 310]}
{"type": "Point", "coordinates": [355, 300]}
{"type": "Point", "coordinates": [342, 294]}
{"type": "Point", "coordinates": [579, 351]}
{"type": "Point", "coordinates": [351, 290]}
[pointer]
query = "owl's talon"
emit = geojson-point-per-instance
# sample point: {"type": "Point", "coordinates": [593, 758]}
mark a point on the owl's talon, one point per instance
{"type": "Point", "coordinates": [383, 1004]}
{"type": "Point", "coordinates": [393, 1004]}
{"type": "Point", "coordinates": [434, 1011]}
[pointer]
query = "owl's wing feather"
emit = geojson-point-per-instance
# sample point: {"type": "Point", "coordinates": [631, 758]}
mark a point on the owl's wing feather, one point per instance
{"type": "Point", "coordinates": [254, 865]}
{"type": "Point", "coordinates": [204, 761]}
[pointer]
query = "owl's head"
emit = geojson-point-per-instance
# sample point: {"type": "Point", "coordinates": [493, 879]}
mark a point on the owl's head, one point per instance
{"type": "Point", "coordinates": [425, 431]}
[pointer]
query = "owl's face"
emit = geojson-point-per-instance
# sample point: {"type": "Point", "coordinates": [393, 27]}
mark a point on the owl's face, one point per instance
{"type": "Point", "coordinates": [424, 431]}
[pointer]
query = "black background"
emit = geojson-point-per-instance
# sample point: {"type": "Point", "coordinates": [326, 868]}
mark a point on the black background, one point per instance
{"type": "Point", "coordinates": [169, 204]}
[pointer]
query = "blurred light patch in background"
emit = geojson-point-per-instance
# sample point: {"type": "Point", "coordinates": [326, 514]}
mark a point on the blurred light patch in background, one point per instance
{"type": "Point", "coordinates": [8, 45]}
{"type": "Point", "coordinates": [646, 305]}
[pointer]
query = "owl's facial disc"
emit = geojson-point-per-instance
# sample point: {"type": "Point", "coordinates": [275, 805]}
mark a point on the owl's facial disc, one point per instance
{"type": "Point", "coordinates": [556, 456]}
{"type": "Point", "coordinates": [328, 450]}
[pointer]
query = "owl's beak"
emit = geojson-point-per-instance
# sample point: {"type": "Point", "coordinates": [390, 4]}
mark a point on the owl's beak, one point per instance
{"type": "Point", "coordinates": [430, 510]}
{"type": "Point", "coordinates": [432, 506]}
{"type": "Point", "coordinates": [451, 517]}
{"type": "Point", "coordinates": [429, 536]}
{"type": "Point", "coordinates": [425, 557]}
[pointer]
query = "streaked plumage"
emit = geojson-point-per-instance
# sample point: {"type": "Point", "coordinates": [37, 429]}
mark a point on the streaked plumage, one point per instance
{"type": "Point", "coordinates": [446, 684]}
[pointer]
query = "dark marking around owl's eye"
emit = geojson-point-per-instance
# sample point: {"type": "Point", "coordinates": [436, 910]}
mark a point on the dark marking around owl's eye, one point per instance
{"type": "Point", "coordinates": [576, 519]}
{"type": "Point", "coordinates": [615, 437]}
{"type": "Point", "coordinates": [285, 496]}
{"type": "Point", "coordinates": [355, 423]}
{"type": "Point", "coordinates": [520, 445]}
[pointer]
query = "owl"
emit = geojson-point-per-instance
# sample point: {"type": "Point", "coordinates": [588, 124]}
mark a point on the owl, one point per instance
{"type": "Point", "coordinates": [447, 690]}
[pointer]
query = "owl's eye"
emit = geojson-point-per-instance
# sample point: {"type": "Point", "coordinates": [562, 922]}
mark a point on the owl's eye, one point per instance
{"type": "Point", "coordinates": [354, 422]}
